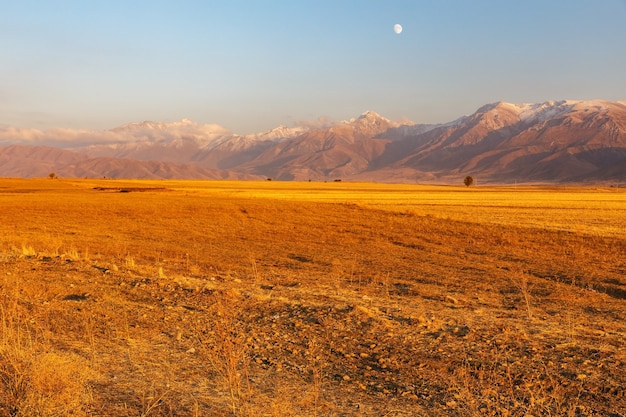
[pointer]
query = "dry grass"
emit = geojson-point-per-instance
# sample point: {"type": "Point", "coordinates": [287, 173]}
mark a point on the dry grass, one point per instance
{"type": "Point", "coordinates": [199, 298]}
{"type": "Point", "coordinates": [36, 377]}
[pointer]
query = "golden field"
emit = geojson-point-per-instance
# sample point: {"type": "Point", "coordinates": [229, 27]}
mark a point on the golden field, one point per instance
{"type": "Point", "coordinates": [217, 298]}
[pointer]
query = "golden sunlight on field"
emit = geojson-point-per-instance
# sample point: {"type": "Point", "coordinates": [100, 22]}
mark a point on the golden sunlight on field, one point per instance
{"type": "Point", "coordinates": [196, 298]}
{"type": "Point", "coordinates": [596, 211]}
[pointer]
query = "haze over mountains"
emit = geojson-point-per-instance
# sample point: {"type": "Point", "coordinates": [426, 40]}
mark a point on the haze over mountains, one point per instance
{"type": "Point", "coordinates": [551, 142]}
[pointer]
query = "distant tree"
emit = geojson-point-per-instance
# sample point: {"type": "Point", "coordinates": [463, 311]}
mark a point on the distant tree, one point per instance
{"type": "Point", "coordinates": [52, 175]}
{"type": "Point", "coordinates": [469, 180]}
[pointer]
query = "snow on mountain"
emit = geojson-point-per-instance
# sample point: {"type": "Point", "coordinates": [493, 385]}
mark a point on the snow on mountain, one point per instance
{"type": "Point", "coordinates": [369, 121]}
{"type": "Point", "coordinates": [189, 133]}
{"type": "Point", "coordinates": [280, 132]}
{"type": "Point", "coordinates": [532, 112]}
{"type": "Point", "coordinates": [538, 112]}
{"type": "Point", "coordinates": [367, 124]}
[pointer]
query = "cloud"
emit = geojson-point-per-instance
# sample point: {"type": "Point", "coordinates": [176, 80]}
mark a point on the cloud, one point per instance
{"type": "Point", "coordinates": [404, 121]}
{"type": "Point", "coordinates": [57, 137]}
{"type": "Point", "coordinates": [322, 122]}
{"type": "Point", "coordinates": [155, 132]}
{"type": "Point", "coordinates": [163, 132]}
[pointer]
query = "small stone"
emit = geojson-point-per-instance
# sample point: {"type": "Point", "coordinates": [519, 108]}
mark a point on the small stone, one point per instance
{"type": "Point", "coordinates": [450, 299]}
{"type": "Point", "coordinates": [191, 351]}
{"type": "Point", "coordinates": [346, 378]}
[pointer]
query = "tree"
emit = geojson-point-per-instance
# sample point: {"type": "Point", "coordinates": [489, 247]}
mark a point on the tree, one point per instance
{"type": "Point", "coordinates": [52, 176]}
{"type": "Point", "coordinates": [469, 180]}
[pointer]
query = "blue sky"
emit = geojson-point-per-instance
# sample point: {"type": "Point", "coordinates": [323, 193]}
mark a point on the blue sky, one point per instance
{"type": "Point", "coordinates": [252, 65]}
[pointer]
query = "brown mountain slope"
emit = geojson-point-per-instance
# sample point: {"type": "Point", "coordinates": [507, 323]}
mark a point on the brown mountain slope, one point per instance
{"type": "Point", "coordinates": [34, 161]}
{"type": "Point", "coordinates": [340, 151]}
{"type": "Point", "coordinates": [40, 161]}
{"type": "Point", "coordinates": [132, 168]}
{"type": "Point", "coordinates": [230, 154]}
{"type": "Point", "coordinates": [552, 142]}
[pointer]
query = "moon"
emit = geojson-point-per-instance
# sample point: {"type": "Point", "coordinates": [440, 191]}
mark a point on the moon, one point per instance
{"type": "Point", "coordinates": [397, 28]}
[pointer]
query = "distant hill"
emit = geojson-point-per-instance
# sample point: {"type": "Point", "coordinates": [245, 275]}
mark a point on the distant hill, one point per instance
{"type": "Point", "coordinates": [35, 161]}
{"type": "Point", "coordinates": [551, 142]}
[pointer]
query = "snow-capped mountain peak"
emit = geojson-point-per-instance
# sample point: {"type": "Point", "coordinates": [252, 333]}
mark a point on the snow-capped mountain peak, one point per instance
{"type": "Point", "coordinates": [538, 112]}
{"type": "Point", "coordinates": [532, 112]}
{"type": "Point", "coordinates": [369, 114]}
{"type": "Point", "coordinates": [370, 122]}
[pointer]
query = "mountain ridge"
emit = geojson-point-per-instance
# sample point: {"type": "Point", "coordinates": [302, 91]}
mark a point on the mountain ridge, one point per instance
{"type": "Point", "coordinates": [554, 142]}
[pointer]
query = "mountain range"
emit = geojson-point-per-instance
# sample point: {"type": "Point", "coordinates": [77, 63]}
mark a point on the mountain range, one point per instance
{"type": "Point", "coordinates": [550, 142]}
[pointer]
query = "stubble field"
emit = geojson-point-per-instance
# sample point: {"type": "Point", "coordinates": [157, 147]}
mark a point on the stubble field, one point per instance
{"type": "Point", "coordinates": [211, 298]}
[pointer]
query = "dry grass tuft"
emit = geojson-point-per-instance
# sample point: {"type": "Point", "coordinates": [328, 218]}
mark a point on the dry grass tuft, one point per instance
{"type": "Point", "coordinates": [37, 381]}
{"type": "Point", "coordinates": [228, 354]}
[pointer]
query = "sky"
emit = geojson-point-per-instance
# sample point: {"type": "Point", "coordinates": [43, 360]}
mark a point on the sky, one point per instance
{"type": "Point", "coordinates": [253, 65]}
